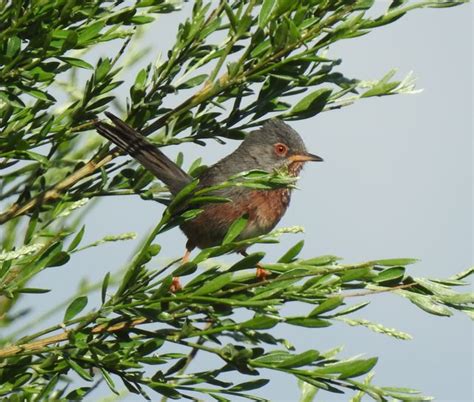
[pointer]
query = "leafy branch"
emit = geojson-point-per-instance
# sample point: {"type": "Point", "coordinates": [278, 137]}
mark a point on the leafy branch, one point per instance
{"type": "Point", "coordinates": [236, 64]}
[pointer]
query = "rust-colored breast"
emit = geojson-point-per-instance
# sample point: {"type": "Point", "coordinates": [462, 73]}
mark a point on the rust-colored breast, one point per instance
{"type": "Point", "coordinates": [264, 209]}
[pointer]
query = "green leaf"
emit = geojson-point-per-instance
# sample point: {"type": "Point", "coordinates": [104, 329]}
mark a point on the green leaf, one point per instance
{"type": "Point", "coordinates": [219, 398]}
{"type": "Point", "coordinates": [348, 368]}
{"type": "Point", "coordinates": [382, 87]}
{"type": "Point", "coordinates": [39, 94]}
{"type": "Point", "coordinates": [235, 229]}
{"type": "Point", "coordinates": [396, 3]}
{"type": "Point", "coordinates": [271, 358]}
{"type": "Point", "coordinates": [150, 346]}
{"type": "Point", "coordinates": [394, 274]}
{"type": "Point", "coordinates": [292, 252]}
{"type": "Point", "coordinates": [70, 41]}
{"type": "Point", "coordinates": [108, 380]}
{"type": "Point", "coordinates": [59, 259]}
{"type": "Point", "coordinates": [31, 230]}
{"type": "Point", "coordinates": [308, 391]}
{"type": "Point", "coordinates": [327, 305]}
{"type": "Point", "coordinates": [249, 261]}
{"type": "Point", "coordinates": [193, 82]}
{"type": "Point", "coordinates": [231, 16]}
{"type": "Point", "coordinates": [322, 260]}
{"type": "Point", "coordinates": [72, 61]}
{"type": "Point", "coordinates": [283, 6]}
{"type": "Point", "coordinates": [215, 284]}
{"type": "Point", "coordinates": [48, 387]}
{"type": "Point", "coordinates": [103, 68]}
{"type": "Point", "coordinates": [426, 303]}
{"type": "Point", "coordinates": [364, 4]}
{"type": "Point", "coordinates": [310, 105]}
{"type": "Point", "coordinates": [30, 155]}
{"type": "Point", "coordinates": [77, 239]}
{"type": "Point", "coordinates": [142, 19]}
{"type": "Point", "coordinates": [459, 298]}
{"type": "Point", "coordinates": [78, 394]}
{"type": "Point", "coordinates": [357, 274]}
{"type": "Point", "coordinates": [463, 274]}
{"type": "Point", "coordinates": [299, 360]}
{"type": "Point", "coordinates": [183, 195]}
{"type": "Point", "coordinates": [13, 46]}
{"type": "Point", "coordinates": [165, 390]}
{"type": "Point", "coordinates": [308, 322]}
{"type": "Point", "coordinates": [250, 385]}
{"type": "Point", "coordinates": [265, 13]}
{"type": "Point", "coordinates": [78, 369]}
{"type": "Point", "coordinates": [91, 32]}
{"type": "Point", "coordinates": [260, 322]}
{"type": "Point", "coordinates": [33, 290]}
{"type": "Point", "coordinates": [351, 309]}
{"type": "Point", "coordinates": [394, 262]}
{"type": "Point", "coordinates": [105, 285]}
{"type": "Point", "coordinates": [76, 306]}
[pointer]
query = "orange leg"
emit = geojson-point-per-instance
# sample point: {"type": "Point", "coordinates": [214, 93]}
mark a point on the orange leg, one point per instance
{"type": "Point", "coordinates": [261, 274]}
{"type": "Point", "coordinates": [176, 284]}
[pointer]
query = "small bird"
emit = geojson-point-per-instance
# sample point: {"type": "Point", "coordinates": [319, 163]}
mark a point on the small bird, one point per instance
{"type": "Point", "coordinates": [273, 146]}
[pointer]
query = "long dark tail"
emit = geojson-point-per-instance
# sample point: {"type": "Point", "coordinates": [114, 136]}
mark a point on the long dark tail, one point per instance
{"type": "Point", "coordinates": [138, 146]}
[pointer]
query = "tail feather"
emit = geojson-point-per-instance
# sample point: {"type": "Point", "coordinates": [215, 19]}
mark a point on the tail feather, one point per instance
{"type": "Point", "coordinates": [140, 148]}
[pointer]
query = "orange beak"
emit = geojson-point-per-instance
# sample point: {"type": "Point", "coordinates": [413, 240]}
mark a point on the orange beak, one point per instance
{"type": "Point", "coordinates": [306, 157]}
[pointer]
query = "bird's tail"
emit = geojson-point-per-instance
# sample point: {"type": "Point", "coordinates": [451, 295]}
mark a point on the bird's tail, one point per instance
{"type": "Point", "coordinates": [140, 148]}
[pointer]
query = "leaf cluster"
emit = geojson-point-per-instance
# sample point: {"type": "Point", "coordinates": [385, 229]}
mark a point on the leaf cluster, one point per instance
{"type": "Point", "coordinates": [137, 324]}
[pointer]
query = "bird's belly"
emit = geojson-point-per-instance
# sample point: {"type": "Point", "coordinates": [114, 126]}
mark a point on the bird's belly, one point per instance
{"type": "Point", "coordinates": [263, 208]}
{"type": "Point", "coordinates": [266, 208]}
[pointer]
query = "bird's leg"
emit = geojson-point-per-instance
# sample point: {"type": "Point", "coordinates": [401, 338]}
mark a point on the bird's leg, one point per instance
{"type": "Point", "coordinates": [176, 283]}
{"type": "Point", "coordinates": [261, 273]}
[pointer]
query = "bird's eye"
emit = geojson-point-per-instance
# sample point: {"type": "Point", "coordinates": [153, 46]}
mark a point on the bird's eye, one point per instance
{"type": "Point", "coordinates": [281, 149]}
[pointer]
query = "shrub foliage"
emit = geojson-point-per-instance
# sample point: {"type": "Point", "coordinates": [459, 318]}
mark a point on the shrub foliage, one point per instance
{"type": "Point", "coordinates": [233, 65]}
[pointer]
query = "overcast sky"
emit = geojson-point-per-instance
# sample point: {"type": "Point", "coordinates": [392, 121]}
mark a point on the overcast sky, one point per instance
{"type": "Point", "coordinates": [396, 182]}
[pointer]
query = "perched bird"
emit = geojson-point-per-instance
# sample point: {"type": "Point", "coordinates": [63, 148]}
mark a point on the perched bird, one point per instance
{"type": "Point", "coordinates": [273, 146]}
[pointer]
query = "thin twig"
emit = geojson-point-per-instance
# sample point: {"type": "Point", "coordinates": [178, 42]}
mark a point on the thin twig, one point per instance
{"type": "Point", "coordinates": [41, 343]}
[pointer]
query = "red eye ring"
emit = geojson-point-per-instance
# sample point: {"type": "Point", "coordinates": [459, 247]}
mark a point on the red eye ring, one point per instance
{"type": "Point", "coordinates": [280, 149]}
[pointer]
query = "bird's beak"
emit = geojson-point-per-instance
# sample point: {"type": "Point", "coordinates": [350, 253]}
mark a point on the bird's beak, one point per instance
{"type": "Point", "coordinates": [306, 157]}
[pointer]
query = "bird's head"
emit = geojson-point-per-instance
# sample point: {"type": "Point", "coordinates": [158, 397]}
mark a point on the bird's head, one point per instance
{"type": "Point", "coordinates": [276, 145]}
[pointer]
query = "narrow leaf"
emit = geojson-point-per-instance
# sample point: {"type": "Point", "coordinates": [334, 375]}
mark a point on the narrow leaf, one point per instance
{"type": "Point", "coordinates": [235, 229]}
{"type": "Point", "coordinates": [76, 306]}
{"type": "Point", "coordinates": [292, 252]}
{"type": "Point", "coordinates": [105, 285]}
{"type": "Point", "coordinates": [265, 12]}
{"type": "Point", "coordinates": [215, 284]}
{"type": "Point", "coordinates": [311, 104]}
{"type": "Point", "coordinates": [394, 274]}
{"type": "Point", "coordinates": [327, 305]}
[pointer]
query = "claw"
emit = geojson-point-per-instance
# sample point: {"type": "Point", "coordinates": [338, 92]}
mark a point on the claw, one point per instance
{"type": "Point", "coordinates": [262, 274]}
{"type": "Point", "coordinates": [176, 285]}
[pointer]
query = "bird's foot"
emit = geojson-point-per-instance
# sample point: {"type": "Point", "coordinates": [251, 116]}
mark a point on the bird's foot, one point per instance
{"type": "Point", "coordinates": [176, 285]}
{"type": "Point", "coordinates": [262, 273]}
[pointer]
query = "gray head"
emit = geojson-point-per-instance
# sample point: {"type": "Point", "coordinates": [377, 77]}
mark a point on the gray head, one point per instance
{"type": "Point", "coordinates": [276, 145]}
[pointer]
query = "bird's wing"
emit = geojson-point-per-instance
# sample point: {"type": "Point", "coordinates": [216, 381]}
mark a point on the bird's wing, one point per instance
{"type": "Point", "coordinates": [140, 148]}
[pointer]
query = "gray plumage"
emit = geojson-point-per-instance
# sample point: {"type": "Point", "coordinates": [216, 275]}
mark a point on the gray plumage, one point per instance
{"type": "Point", "coordinates": [272, 146]}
